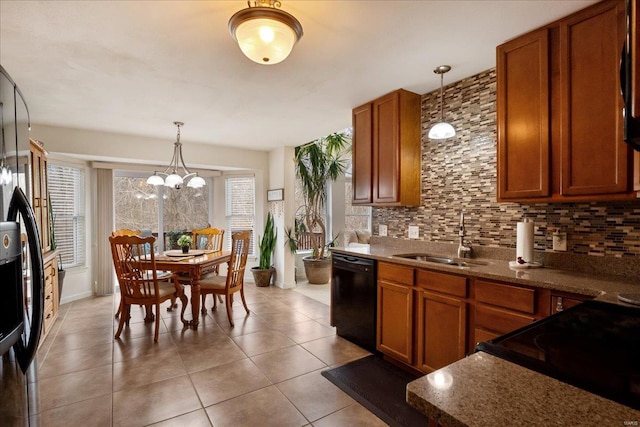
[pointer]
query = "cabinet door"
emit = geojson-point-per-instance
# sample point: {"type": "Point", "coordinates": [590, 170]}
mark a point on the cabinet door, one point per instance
{"type": "Point", "coordinates": [395, 321]}
{"type": "Point", "coordinates": [523, 117]}
{"type": "Point", "coordinates": [595, 158]}
{"type": "Point", "coordinates": [386, 148]}
{"type": "Point", "coordinates": [362, 145]}
{"type": "Point", "coordinates": [441, 330]}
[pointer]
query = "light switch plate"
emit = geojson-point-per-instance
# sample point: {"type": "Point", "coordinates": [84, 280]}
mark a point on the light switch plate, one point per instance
{"type": "Point", "coordinates": [559, 242]}
{"type": "Point", "coordinates": [382, 230]}
{"type": "Point", "coordinates": [414, 232]}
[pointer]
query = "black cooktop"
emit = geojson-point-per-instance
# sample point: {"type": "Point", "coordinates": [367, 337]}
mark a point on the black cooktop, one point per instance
{"type": "Point", "coordinates": [594, 345]}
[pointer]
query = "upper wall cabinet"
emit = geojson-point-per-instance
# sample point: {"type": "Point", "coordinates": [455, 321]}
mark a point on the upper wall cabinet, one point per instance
{"type": "Point", "coordinates": [559, 111]}
{"type": "Point", "coordinates": [387, 151]}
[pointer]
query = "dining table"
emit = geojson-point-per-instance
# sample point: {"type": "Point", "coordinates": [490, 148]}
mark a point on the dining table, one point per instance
{"type": "Point", "coordinates": [191, 267]}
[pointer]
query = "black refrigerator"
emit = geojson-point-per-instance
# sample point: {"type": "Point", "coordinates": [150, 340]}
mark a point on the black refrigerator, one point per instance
{"type": "Point", "coordinates": [21, 267]}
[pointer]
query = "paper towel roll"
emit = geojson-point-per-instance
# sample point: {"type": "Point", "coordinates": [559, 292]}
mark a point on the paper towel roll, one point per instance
{"type": "Point", "coordinates": [524, 241]}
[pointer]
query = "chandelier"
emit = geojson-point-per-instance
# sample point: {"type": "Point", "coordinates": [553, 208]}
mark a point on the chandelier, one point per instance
{"type": "Point", "coordinates": [171, 176]}
{"type": "Point", "coordinates": [442, 130]}
{"type": "Point", "coordinates": [265, 33]}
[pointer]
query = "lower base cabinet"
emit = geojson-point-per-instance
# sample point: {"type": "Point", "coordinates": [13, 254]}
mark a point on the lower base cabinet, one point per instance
{"type": "Point", "coordinates": [50, 313]}
{"type": "Point", "coordinates": [395, 312]}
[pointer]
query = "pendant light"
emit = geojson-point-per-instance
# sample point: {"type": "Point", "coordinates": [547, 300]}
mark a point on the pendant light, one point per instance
{"type": "Point", "coordinates": [265, 33]}
{"type": "Point", "coordinates": [442, 130]}
{"type": "Point", "coordinates": [172, 178]}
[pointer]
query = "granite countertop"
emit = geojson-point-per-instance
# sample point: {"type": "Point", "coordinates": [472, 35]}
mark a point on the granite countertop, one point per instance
{"type": "Point", "coordinates": [601, 287]}
{"type": "Point", "coordinates": [484, 390]}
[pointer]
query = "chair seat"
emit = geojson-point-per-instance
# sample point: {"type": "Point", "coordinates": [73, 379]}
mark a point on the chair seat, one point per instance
{"type": "Point", "coordinates": [166, 289]}
{"type": "Point", "coordinates": [213, 282]}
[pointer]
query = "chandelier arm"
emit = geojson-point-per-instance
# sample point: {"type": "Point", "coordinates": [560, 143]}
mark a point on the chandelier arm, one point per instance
{"type": "Point", "coordinates": [184, 167]}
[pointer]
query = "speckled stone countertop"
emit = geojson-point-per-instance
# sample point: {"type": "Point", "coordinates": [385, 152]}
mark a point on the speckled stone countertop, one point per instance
{"type": "Point", "coordinates": [603, 287]}
{"type": "Point", "coordinates": [482, 390]}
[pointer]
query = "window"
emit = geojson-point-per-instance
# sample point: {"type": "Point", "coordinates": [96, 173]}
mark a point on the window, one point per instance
{"type": "Point", "coordinates": [66, 198]}
{"type": "Point", "coordinates": [240, 208]}
{"type": "Point", "coordinates": [355, 217]}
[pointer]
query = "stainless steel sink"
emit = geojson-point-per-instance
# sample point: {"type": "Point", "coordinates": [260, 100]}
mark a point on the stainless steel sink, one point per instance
{"type": "Point", "coordinates": [456, 262]}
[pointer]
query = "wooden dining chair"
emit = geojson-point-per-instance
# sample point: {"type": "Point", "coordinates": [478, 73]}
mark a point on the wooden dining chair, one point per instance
{"type": "Point", "coordinates": [212, 239]}
{"type": "Point", "coordinates": [234, 280]}
{"type": "Point", "coordinates": [139, 284]}
{"type": "Point", "coordinates": [123, 232]}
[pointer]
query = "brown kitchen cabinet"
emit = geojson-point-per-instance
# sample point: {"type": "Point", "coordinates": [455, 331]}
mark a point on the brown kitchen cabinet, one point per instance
{"type": "Point", "coordinates": [442, 319]}
{"type": "Point", "coordinates": [40, 194]}
{"type": "Point", "coordinates": [395, 312]}
{"type": "Point", "coordinates": [560, 301]}
{"type": "Point", "coordinates": [559, 111]}
{"type": "Point", "coordinates": [51, 298]}
{"type": "Point", "coordinates": [500, 308]}
{"type": "Point", "coordinates": [386, 151]}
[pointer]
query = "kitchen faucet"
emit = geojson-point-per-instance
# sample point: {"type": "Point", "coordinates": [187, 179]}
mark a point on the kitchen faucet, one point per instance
{"type": "Point", "coordinates": [464, 250]}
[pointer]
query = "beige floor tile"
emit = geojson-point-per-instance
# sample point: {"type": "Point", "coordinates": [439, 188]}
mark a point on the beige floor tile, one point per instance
{"type": "Point", "coordinates": [92, 338]}
{"type": "Point", "coordinates": [125, 349]}
{"type": "Point", "coordinates": [63, 390]}
{"type": "Point", "coordinates": [154, 402]}
{"type": "Point", "coordinates": [265, 407]}
{"type": "Point", "coordinates": [268, 306]}
{"type": "Point", "coordinates": [227, 381]}
{"type": "Point", "coordinates": [335, 350]}
{"type": "Point", "coordinates": [197, 418]}
{"type": "Point", "coordinates": [351, 416]}
{"type": "Point", "coordinates": [262, 342]}
{"type": "Point", "coordinates": [85, 324]}
{"type": "Point", "coordinates": [314, 395]}
{"type": "Point", "coordinates": [208, 354]}
{"type": "Point", "coordinates": [306, 331]}
{"type": "Point", "coordinates": [278, 320]}
{"type": "Point", "coordinates": [61, 363]}
{"type": "Point", "coordinates": [286, 363]}
{"type": "Point", "coordinates": [94, 412]}
{"type": "Point", "coordinates": [162, 365]}
{"type": "Point", "coordinates": [247, 325]}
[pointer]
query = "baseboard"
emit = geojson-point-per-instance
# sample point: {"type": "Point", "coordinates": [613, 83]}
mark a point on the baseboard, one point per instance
{"type": "Point", "coordinates": [75, 297]}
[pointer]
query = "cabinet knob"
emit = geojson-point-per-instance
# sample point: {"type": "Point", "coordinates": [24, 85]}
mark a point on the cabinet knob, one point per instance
{"type": "Point", "coordinates": [559, 306]}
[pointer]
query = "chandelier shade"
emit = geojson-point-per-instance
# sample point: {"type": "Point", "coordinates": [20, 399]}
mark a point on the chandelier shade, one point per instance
{"type": "Point", "coordinates": [171, 176]}
{"type": "Point", "coordinates": [265, 34]}
{"type": "Point", "coordinates": [442, 129]}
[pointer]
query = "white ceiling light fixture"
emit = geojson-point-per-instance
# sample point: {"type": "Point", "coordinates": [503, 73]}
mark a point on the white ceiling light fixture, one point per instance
{"type": "Point", "coordinates": [265, 33]}
{"type": "Point", "coordinates": [171, 176]}
{"type": "Point", "coordinates": [442, 130]}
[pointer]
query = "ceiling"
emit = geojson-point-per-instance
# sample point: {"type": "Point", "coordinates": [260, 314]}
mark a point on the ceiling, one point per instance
{"type": "Point", "coordinates": [135, 67]}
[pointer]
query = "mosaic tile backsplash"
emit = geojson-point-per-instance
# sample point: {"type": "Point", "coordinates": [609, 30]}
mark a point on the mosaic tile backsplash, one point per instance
{"type": "Point", "coordinates": [459, 174]}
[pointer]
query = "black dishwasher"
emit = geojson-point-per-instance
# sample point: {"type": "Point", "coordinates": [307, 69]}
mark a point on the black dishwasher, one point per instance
{"type": "Point", "coordinates": [354, 299]}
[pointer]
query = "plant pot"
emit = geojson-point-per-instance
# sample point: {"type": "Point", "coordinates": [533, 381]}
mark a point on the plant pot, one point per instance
{"type": "Point", "coordinates": [185, 249]}
{"type": "Point", "coordinates": [318, 271]}
{"type": "Point", "coordinates": [262, 277]}
{"type": "Point", "coordinates": [61, 274]}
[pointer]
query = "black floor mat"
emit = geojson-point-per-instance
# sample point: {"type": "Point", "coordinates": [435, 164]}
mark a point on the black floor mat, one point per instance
{"type": "Point", "coordinates": [380, 387]}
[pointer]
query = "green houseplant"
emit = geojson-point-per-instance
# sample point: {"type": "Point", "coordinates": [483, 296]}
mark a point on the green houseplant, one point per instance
{"type": "Point", "coordinates": [184, 242]}
{"type": "Point", "coordinates": [263, 272]}
{"type": "Point", "coordinates": [317, 164]}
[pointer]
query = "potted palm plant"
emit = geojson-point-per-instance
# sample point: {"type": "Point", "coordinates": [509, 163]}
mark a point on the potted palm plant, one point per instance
{"type": "Point", "coordinates": [263, 272]}
{"type": "Point", "coordinates": [317, 164]}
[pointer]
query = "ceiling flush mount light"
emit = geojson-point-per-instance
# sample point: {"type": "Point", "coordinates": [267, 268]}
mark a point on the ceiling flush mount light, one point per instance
{"type": "Point", "coordinates": [265, 33]}
{"type": "Point", "coordinates": [171, 176]}
{"type": "Point", "coordinates": [442, 130]}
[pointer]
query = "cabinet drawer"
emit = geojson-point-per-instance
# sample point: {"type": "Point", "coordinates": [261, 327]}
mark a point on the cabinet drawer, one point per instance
{"type": "Point", "coordinates": [512, 297]}
{"type": "Point", "coordinates": [500, 321]}
{"type": "Point", "coordinates": [395, 273]}
{"type": "Point", "coordinates": [442, 282]}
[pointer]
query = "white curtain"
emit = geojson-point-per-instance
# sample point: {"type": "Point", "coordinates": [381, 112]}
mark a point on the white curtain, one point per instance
{"type": "Point", "coordinates": [104, 227]}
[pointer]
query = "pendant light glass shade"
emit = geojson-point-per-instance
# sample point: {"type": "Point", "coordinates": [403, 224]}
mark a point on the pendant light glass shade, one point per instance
{"type": "Point", "coordinates": [265, 34]}
{"type": "Point", "coordinates": [442, 129]}
{"type": "Point", "coordinates": [172, 178]}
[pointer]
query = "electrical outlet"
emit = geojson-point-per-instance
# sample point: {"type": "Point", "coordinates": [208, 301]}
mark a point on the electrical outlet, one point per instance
{"type": "Point", "coordinates": [382, 230]}
{"type": "Point", "coordinates": [414, 232]}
